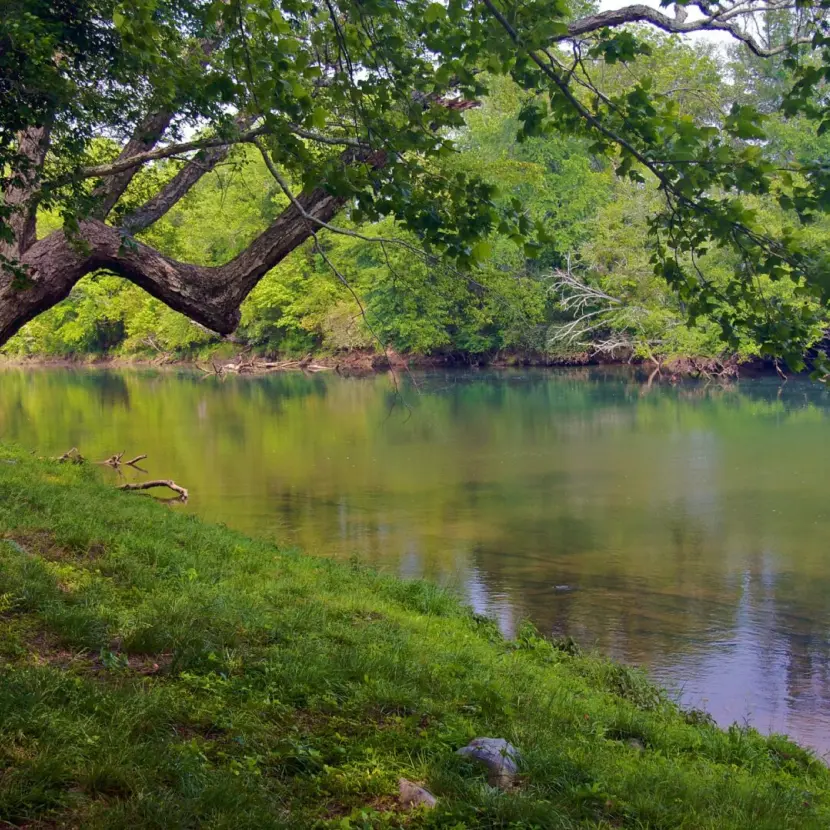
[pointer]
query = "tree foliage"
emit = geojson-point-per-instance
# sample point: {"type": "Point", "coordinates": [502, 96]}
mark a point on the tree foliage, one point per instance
{"type": "Point", "coordinates": [358, 106]}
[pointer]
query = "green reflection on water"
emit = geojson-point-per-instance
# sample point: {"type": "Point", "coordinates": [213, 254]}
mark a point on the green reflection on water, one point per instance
{"type": "Point", "coordinates": [681, 528]}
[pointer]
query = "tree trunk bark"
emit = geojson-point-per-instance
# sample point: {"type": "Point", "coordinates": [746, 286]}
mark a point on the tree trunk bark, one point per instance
{"type": "Point", "coordinates": [146, 136]}
{"type": "Point", "coordinates": [33, 145]}
{"type": "Point", "coordinates": [209, 295]}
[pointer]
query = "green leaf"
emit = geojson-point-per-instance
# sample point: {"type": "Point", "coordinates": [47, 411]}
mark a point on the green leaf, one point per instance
{"type": "Point", "coordinates": [482, 250]}
{"type": "Point", "coordinates": [435, 12]}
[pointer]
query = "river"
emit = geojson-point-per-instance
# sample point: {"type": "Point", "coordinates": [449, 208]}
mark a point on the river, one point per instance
{"type": "Point", "coordinates": [683, 528]}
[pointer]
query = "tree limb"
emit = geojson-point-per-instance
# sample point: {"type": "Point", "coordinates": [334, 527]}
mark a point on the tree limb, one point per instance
{"type": "Point", "coordinates": [156, 207]}
{"type": "Point", "coordinates": [209, 295]}
{"type": "Point", "coordinates": [144, 138]}
{"type": "Point", "coordinates": [719, 21]}
{"type": "Point", "coordinates": [33, 144]}
{"type": "Point", "coordinates": [286, 189]}
{"type": "Point", "coordinates": [120, 165]}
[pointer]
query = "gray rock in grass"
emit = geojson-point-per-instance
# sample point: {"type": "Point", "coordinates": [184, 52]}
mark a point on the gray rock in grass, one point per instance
{"type": "Point", "coordinates": [499, 756]}
{"type": "Point", "coordinates": [411, 795]}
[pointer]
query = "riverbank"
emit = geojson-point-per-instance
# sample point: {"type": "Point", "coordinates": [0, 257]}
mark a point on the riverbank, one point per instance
{"type": "Point", "coordinates": [233, 362]}
{"type": "Point", "coordinates": [158, 671]}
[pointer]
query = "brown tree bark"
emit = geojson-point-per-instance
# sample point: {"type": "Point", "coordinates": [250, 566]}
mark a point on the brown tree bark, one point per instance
{"type": "Point", "coordinates": [181, 184]}
{"type": "Point", "coordinates": [145, 137]}
{"type": "Point", "coordinates": [33, 145]}
{"type": "Point", "coordinates": [209, 295]}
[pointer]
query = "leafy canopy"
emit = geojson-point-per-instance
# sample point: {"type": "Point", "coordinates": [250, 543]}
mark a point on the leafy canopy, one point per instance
{"type": "Point", "coordinates": [364, 98]}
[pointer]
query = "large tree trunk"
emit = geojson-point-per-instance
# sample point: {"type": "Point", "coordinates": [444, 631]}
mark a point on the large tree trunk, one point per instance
{"type": "Point", "coordinates": [33, 145]}
{"type": "Point", "coordinates": [209, 295]}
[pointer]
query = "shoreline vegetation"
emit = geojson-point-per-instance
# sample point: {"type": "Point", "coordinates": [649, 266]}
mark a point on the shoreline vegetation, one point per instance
{"type": "Point", "coordinates": [367, 361]}
{"type": "Point", "coordinates": [160, 671]}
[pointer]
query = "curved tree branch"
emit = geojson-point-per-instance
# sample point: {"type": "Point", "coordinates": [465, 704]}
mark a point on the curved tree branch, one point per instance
{"type": "Point", "coordinates": [156, 207]}
{"type": "Point", "coordinates": [723, 21]}
{"type": "Point", "coordinates": [209, 295]}
{"type": "Point", "coordinates": [122, 164]}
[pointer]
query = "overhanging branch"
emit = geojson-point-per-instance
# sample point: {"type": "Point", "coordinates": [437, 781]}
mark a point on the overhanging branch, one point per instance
{"type": "Point", "coordinates": [721, 21]}
{"type": "Point", "coordinates": [120, 165]}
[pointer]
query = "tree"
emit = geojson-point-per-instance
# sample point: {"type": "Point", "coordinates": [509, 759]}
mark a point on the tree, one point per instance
{"type": "Point", "coordinates": [353, 103]}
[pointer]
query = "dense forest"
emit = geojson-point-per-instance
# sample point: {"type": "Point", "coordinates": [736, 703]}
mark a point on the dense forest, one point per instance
{"type": "Point", "coordinates": [586, 287]}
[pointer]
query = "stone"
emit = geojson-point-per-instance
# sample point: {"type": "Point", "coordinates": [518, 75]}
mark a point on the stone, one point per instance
{"type": "Point", "coordinates": [499, 756]}
{"type": "Point", "coordinates": [411, 795]}
{"type": "Point", "coordinates": [636, 743]}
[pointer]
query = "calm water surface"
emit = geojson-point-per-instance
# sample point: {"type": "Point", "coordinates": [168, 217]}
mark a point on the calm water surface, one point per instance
{"type": "Point", "coordinates": [684, 529]}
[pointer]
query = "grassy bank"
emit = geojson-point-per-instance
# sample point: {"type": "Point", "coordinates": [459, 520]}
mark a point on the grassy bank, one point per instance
{"type": "Point", "coordinates": [157, 671]}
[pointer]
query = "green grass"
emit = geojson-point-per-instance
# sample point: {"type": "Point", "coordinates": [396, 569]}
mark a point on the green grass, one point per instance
{"type": "Point", "coordinates": [158, 671]}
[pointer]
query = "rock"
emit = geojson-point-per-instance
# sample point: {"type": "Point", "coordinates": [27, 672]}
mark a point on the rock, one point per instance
{"type": "Point", "coordinates": [498, 755]}
{"type": "Point", "coordinates": [636, 743]}
{"type": "Point", "coordinates": [411, 795]}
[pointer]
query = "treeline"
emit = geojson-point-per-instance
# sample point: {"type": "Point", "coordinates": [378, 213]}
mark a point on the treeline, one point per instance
{"type": "Point", "coordinates": [589, 288]}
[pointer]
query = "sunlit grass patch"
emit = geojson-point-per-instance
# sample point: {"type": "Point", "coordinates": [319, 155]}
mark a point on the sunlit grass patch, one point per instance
{"type": "Point", "coordinates": [157, 671]}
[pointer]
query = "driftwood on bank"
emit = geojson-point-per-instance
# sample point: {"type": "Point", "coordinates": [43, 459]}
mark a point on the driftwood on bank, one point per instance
{"type": "Point", "coordinates": [115, 461]}
{"type": "Point", "coordinates": [73, 456]}
{"type": "Point", "coordinates": [160, 482]}
{"type": "Point", "coordinates": [252, 366]}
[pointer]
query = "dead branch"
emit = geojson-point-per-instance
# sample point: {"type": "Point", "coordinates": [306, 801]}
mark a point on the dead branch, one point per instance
{"type": "Point", "coordinates": [115, 461]}
{"type": "Point", "coordinates": [252, 366]}
{"type": "Point", "coordinates": [160, 482]}
{"type": "Point", "coordinates": [71, 455]}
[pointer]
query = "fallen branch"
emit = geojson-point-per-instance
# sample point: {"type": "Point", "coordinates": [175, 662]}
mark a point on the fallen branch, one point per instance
{"type": "Point", "coordinates": [161, 482]}
{"type": "Point", "coordinates": [71, 455]}
{"type": "Point", "coordinates": [115, 461]}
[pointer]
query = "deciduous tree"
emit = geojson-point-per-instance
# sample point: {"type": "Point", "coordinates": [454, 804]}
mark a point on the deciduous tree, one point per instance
{"type": "Point", "coordinates": [351, 101]}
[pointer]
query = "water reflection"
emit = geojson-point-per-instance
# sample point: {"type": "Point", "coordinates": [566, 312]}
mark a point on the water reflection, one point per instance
{"type": "Point", "coordinates": [680, 528]}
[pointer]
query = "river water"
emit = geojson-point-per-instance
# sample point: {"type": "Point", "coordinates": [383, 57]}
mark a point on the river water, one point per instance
{"type": "Point", "coordinates": [685, 529]}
